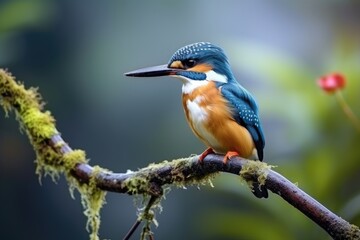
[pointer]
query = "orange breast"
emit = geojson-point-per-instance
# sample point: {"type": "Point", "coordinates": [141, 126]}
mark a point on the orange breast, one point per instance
{"type": "Point", "coordinates": [210, 118]}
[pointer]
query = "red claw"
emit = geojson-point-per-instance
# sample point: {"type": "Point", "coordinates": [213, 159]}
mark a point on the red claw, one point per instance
{"type": "Point", "coordinates": [205, 153]}
{"type": "Point", "coordinates": [229, 155]}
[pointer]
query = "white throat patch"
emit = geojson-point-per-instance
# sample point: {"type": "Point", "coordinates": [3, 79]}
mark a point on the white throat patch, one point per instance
{"type": "Point", "coordinates": [189, 85]}
{"type": "Point", "coordinates": [214, 76]}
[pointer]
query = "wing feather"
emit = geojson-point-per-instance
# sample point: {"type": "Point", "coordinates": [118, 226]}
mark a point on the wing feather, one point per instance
{"type": "Point", "coordinates": [245, 113]}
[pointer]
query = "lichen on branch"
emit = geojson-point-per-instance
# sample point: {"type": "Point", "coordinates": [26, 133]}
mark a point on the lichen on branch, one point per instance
{"type": "Point", "coordinates": [39, 126]}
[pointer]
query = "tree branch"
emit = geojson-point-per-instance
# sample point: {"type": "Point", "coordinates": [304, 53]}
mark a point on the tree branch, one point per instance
{"type": "Point", "coordinates": [52, 150]}
{"type": "Point", "coordinates": [191, 170]}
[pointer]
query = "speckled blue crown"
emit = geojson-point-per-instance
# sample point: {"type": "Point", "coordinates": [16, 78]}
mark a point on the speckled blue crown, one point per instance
{"type": "Point", "coordinates": [196, 51]}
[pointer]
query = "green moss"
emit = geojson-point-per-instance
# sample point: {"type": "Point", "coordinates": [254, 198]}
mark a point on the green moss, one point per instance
{"type": "Point", "coordinates": [73, 158]}
{"type": "Point", "coordinates": [46, 158]}
{"type": "Point", "coordinates": [354, 233]}
{"type": "Point", "coordinates": [70, 160]}
{"type": "Point", "coordinates": [182, 178]}
{"type": "Point", "coordinates": [39, 124]}
{"type": "Point", "coordinates": [40, 127]}
{"type": "Point", "coordinates": [137, 185]}
{"type": "Point", "coordinates": [255, 168]}
{"type": "Point", "coordinates": [92, 199]}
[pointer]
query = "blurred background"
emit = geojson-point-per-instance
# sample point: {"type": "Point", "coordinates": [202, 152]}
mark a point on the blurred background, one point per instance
{"type": "Point", "coordinates": [76, 53]}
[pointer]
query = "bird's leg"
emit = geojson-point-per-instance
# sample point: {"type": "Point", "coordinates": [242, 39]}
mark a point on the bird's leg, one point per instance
{"type": "Point", "coordinates": [229, 155]}
{"type": "Point", "coordinates": [205, 153]}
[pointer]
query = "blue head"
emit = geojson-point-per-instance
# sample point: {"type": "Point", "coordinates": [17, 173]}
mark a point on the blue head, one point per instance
{"type": "Point", "coordinates": [201, 61]}
{"type": "Point", "coordinates": [202, 58]}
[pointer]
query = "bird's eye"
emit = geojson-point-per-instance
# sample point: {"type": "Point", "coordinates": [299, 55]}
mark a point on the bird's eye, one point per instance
{"type": "Point", "coordinates": [189, 63]}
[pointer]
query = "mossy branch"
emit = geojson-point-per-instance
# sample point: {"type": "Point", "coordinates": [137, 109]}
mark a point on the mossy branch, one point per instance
{"type": "Point", "coordinates": [55, 157]}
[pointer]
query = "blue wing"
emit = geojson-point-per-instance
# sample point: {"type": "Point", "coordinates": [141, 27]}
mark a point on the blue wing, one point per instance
{"type": "Point", "coordinates": [245, 113]}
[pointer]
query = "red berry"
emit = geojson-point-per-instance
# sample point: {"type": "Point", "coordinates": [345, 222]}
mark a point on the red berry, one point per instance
{"type": "Point", "coordinates": [332, 82]}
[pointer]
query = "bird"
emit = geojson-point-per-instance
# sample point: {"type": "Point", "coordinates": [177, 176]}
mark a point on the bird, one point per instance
{"type": "Point", "coordinates": [220, 111]}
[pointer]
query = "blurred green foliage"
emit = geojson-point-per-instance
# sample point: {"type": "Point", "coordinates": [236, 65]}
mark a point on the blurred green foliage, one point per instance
{"type": "Point", "coordinates": [20, 14]}
{"type": "Point", "coordinates": [77, 52]}
{"type": "Point", "coordinates": [17, 16]}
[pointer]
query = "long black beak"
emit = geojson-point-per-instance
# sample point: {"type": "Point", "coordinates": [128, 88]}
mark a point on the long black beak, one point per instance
{"type": "Point", "coordinates": [155, 71]}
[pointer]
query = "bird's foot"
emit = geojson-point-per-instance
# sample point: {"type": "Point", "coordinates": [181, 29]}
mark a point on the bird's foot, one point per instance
{"type": "Point", "coordinates": [205, 153]}
{"type": "Point", "coordinates": [229, 155]}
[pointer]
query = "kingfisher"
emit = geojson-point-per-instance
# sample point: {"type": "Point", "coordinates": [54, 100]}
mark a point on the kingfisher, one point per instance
{"type": "Point", "coordinates": [220, 112]}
